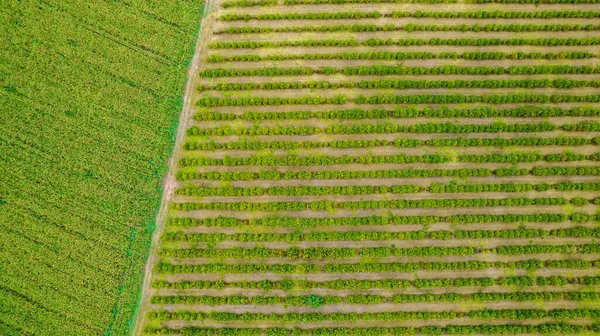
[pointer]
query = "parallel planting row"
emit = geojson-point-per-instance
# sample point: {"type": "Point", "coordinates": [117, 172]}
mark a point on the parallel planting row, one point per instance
{"type": "Point", "coordinates": [357, 168]}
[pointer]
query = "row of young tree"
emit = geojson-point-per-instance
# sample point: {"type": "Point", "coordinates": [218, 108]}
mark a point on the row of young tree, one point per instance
{"type": "Point", "coordinates": [545, 249]}
{"type": "Point", "coordinates": [272, 101]}
{"type": "Point", "coordinates": [238, 300]}
{"type": "Point", "coordinates": [375, 42]}
{"type": "Point", "coordinates": [248, 3]}
{"type": "Point", "coordinates": [515, 314]}
{"type": "Point", "coordinates": [560, 328]}
{"type": "Point", "coordinates": [392, 189]}
{"type": "Point", "coordinates": [377, 220]}
{"type": "Point", "coordinates": [328, 160]}
{"type": "Point", "coordinates": [403, 55]}
{"type": "Point", "coordinates": [164, 267]}
{"type": "Point", "coordinates": [334, 253]}
{"type": "Point", "coordinates": [481, 14]}
{"type": "Point", "coordinates": [314, 2]}
{"type": "Point", "coordinates": [407, 112]}
{"type": "Point", "coordinates": [537, 2]}
{"type": "Point", "coordinates": [325, 160]}
{"type": "Point", "coordinates": [411, 27]}
{"type": "Point", "coordinates": [393, 173]}
{"type": "Point", "coordinates": [566, 171]}
{"type": "Point", "coordinates": [400, 143]}
{"type": "Point", "coordinates": [500, 14]}
{"type": "Point", "coordinates": [252, 3]}
{"type": "Point", "coordinates": [394, 284]}
{"type": "Point", "coordinates": [391, 128]}
{"type": "Point", "coordinates": [302, 16]}
{"type": "Point", "coordinates": [387, 204]}
{"type": "Point", "coordinates": [383, 70]}
{"type": "Point", "coordinates": [562, 83]}
{"type": "Point", "coordinates": [294, 253]}
{"type": "Point", "coordinates": [509, 98]}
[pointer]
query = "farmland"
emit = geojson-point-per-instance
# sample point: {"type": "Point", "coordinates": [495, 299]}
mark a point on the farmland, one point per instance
{"type": "Point", "coordinates": [387, 167]}
{"type": "Point", "coordinates": [90, 95]}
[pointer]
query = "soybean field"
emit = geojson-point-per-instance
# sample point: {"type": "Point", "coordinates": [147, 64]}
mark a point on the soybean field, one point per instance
{"type": "Point", "coordinates": [387, 167]}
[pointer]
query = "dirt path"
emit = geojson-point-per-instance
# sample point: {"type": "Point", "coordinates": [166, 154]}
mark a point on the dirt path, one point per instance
{"type": "Point", "coordinates": [373, 291]}
{"type": "Point", "coordinates": [392, 150]}
{"type": "Point", "coordinates": [383, 307]}
{"type": "Point", "coordinates": [170, 183]}
{"type": "Point", "coordinates": [377, 228]}
{"type": "Point", "coordinates": [352, 105]}
{"type": "Point", "coordinates": [356, 245]}
{"type": "Point", "coordinates": [413, 323]}
{"type": "Point", "coordinates": [399, 212]}
{"type": "Point", "coordinates": [420, 274]}
{"type": "Point", "coordinates": [408, 62]}
{"type": "Point", "coordinates": [411, 7]}
{"type": "Point", "coordinates": [388, 197]}
{"type": "Point", "coordinates": [223, 25]}
{"type": "Point", "coordinates": [386, 166]}
{"type": "Point", "coordinates": [338, 78]}
{"type": "Point", "coordinates": [398, 35]}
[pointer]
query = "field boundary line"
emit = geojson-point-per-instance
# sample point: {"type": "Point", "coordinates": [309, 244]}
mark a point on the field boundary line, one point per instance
{"type": "Point", "coordinates": [169, 183]}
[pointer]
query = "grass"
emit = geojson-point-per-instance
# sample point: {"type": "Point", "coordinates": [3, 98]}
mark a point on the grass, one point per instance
{"type": "Point", "coordinates": [91, 93]}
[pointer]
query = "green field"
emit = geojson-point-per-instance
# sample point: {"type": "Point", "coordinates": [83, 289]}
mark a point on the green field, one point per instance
{"type": "Point", "coordinates": [91, 93]}
{"type": "Point", "coordinates": [387, 167]}
{"type": "Point", "coordinates": [344, 167]}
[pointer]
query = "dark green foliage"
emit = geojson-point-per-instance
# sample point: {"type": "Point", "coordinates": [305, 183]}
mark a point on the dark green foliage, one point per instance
{"type": "Point", "coordinates": [409, 112]}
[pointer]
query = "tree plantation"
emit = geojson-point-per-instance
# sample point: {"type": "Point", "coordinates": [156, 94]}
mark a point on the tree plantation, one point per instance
{"type": "Point", "coordinates": [375, 167]}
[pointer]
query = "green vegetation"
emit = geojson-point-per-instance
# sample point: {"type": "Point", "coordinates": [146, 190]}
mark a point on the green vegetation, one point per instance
{"type": "Point", "coordinates": [91, 93]}
{"type": "Point", "coordinates": [352, 168]}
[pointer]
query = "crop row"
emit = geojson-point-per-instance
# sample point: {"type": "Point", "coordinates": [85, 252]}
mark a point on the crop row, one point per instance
{"type": "Point", "coordinates": [411, 27]}
{"type": "Point", "coordinates": [397, 173]}
{"type": "Point", "coordinates": [362, 300]}
{"type": "Point", "coordinates": [406, 84]}
{"type": "Point", "coordinates": [515, 314]}
{"type": "Point", "coordinates": [392, 189]}
{"type": "Point", "coordinates": [390, 128]}
{"type": "Point", "coordinates": [389, 284]}
{"type": "Point", "coordinates": [383, 70]}
{"type": "Point", "coordinates": [399, 143]}
{"type": "Point", "coordinates": [312, 253]}
{"type": "Point", "coordinates": [248, 3]}
{"type": "Point", "coordinates": [387, 204]}
{"type": "Point", "coordinates": [328, 160]}
{"type": "Point", "coordinates": [408, 112]}
{"type": "Point", "coordinates": [463, 329]}
{"type": "Point", "coordinates": [252, 3]}
{"type": "Point", "coordinates": [402, 55]}
{"type": "Point", "coordinates": [301, 16]}
{"type": "Point", "coordinates": [317, 2]}
{"type": "Point", "coordinates": [374, 42]}
{"type": "Point", "coordinates": [482, 14]}
{"type": "Point", "coordinates": [164, 267]}
{"type": "Point", "coordinates": [537, 2]}
{"type": "Point", "coordinates": [376, 220]}
{"type": "Point", "coordinates": [294, 253]}
{"type": "Point", "coordinates": [510, 98]}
